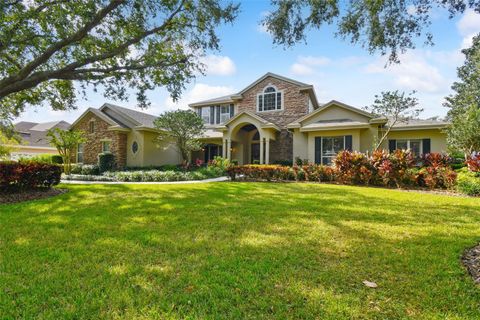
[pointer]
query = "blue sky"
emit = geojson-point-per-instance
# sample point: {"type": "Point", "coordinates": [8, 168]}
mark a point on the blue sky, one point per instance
{"type": "Point", "coordinates": [337, 69]}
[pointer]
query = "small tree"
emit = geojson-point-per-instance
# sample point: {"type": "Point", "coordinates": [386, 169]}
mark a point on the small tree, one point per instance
{"type": "Point", "coordinates": [7, 145]}
{"type": "Point", "coordinates": [181, 128]}
{"type": "Point", "coordinates": [396, 107]}
{"type": "Point", "coordinates": [66, 141]}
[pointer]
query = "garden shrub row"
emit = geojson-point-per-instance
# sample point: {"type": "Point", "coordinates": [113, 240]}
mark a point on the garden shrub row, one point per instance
{"type": "Point", "coordinates": [165, 176]}
{"type": "Point", "coordinates": [28, 175]}
{"type": "Point", "coordinates": [397, 169]}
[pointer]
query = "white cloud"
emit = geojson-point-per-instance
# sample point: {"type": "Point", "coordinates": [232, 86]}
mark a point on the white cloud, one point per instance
{"type": "Point", "coordinates": [413, 72]}
{"type": "Point", "coordinates": [219, 65]}
{"type": "Point", "coordinates": [468, 26]}
{"type": "Point", "coordinates": [199, 92]}
{"type": "Point", "coordinates": [305, 65]}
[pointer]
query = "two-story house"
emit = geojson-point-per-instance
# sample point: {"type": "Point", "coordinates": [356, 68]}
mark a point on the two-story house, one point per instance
{"type": "Point", "coordinates": [272, 120]}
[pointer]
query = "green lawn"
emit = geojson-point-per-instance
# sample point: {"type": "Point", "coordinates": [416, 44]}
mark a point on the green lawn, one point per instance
{"type": "Point", "coordinates": [236, 251]}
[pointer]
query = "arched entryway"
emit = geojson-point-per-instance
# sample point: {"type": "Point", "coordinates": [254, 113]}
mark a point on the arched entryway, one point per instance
{"type": "Point", "coordinates": [246, 139]}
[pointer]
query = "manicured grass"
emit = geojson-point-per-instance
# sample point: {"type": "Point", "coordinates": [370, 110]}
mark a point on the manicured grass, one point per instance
{"type": "Point", "coordinates": [236, 251]}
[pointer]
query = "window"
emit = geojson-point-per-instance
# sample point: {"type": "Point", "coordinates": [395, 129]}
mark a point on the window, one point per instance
{"type": "Point", "coordinates": [415, 146]}
{"type": "Point", "coordinates": [205, 114]}
{"type": "Point", "coordinates": [330, 147]}
{"type": "Point", "coordinates": [105, 146]}
{"type": "Point", "coordinates": [134, 147]}
{"type": "Point", "coordinates": [80, 153]}
{"type": "Point", "coordinates": [91, 126]}
{"type": "Point", "coordinates": [270, 99]}
{"type": "Point", "coordinates": [224, 113]}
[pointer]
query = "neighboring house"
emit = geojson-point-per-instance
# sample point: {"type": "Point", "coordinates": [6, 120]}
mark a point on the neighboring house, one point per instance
{"type": "Point", "coordinates": [274, 119]}
{"type": "Point", "coordinates": [34, 138]}
{"type": "Point", "coordinates": [278, 119]}
{"type": "Point", "coordinates": [128, 134]}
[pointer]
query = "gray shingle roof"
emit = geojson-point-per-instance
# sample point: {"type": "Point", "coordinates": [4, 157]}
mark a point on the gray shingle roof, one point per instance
{"type": "Point", "coordinates": [144, 119]}
{"type": "Point", "coordinates": [35, 134]}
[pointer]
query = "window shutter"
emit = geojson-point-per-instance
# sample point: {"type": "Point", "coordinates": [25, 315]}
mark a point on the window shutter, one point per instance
{"type": "Point", "coordinates": [348, 143]}
{"type": "Point", "coordinates": [392, 145]}
{"type": "Point", "coordinates": [260, 102]}
{"type": "Point", "coordinates": [232, 111]}
{"type": "Point", "coordinates": [318, 150]}
{"type": "Point", "coordinates": [426, 146]}
{"type": "Point", "coordinates": [199, 112]}
{"type": "Point", "coordinates": [217, 120]}
{"type": "Point", "coordinates": [212, 115]}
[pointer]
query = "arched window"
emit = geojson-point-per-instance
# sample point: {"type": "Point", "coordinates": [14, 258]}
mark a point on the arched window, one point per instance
{"type": "Point", "coordinates": [270, 99]}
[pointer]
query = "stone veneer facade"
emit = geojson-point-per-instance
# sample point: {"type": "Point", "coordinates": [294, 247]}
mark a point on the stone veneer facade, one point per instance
{"type": "Point", "coordinates": [295, 105]}
{"type": "Point", "coordinates": [93, 145]}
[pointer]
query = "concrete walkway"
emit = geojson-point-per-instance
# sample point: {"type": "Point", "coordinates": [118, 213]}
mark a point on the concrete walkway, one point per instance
{"type": "Point", "coordinates": [219, 179]}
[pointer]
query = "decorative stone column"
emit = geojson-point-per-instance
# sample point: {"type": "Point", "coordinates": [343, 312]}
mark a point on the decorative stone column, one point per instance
{"type": "Point", "coordinates": [261, 150]}
{"type": "Point", "coordinates": [224, 148]}
{"type": "Point", "coordinates": [229, 147]}
{"type": "Point", "coordinates": [267, 151]}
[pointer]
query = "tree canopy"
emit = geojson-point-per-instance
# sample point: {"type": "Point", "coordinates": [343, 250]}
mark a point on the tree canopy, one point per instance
{"type": "Point", "coordinates": [396, 107]}
{"type": "Point", "coordinates": [66, 142]}
{"type": "Point", "coordinates": [181, 128]}
{"type": "Point", "coordinates": [464, 103]}
{"type": "Point", "coordinates": [386, 26]}
{"type": "Point", "coordinates": [46, 45]}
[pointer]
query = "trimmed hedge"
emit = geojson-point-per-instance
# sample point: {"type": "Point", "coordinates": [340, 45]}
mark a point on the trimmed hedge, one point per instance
{"type": "Point", "coordinates": [28, 175]}
{"type": "Point", "coordinates": [468, 183]}
{"type": "Point", "coordinates": [397, 169]}
{"type": "Point", "coordinates": [165, 176]}
{"type": "Point", "coordinates": [106, 162]}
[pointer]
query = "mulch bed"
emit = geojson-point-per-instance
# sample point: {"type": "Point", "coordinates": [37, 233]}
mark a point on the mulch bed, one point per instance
{"type": "Point", "coordinates": [471, 260]}
{"type": "Point", "coordinates": [20, 196]}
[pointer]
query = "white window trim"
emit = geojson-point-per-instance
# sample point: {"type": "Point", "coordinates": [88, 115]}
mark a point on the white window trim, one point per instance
{"type": "Point", "coordinates": [321, 146]}
{"type": "Point", "coordinates": [408, 144]}
{"type": "Point", "coordinates": [208, 113]}
{"type": "Point", "coordinates": [263, 103]}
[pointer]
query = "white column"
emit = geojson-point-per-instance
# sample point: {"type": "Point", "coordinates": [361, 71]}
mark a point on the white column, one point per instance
{"type": "Point", "coordinates": [261, 150]}
{"type": "Point", "coordinates": [229, 147]}
{"type": "Point", "coordinates": [267, 151]}
{"type": "Point", "coordinates": [224, 148]}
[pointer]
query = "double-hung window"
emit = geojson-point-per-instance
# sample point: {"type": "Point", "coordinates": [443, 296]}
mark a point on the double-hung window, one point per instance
{"type": "Point", "coordinates": [80, 153]}
{"type": "Point", "coordinates": [330, 147]}
{"type": "Point", "coordinates": [414, 145]}
{"type": "Point", "coordinates": [224, 113]}
{"type": "Point", "coordinates": [270, 99]}
{"type": "Point", "coordinates": [205, 114]}
{"type": "Point", "coordinates": [105, 146]}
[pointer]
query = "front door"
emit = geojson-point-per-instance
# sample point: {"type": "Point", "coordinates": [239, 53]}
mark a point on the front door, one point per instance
{"type": "Point", "coordinates": [255, 153]}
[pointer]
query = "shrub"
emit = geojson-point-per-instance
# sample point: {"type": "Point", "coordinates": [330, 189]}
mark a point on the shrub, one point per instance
{"type": "Point", "coordinates": [106, 162]}
{"type": "Point", "coordinates": [468, 183]}
{"type": "Point", "coordinates": [287, 163]}
{"type": "Point", "coordinates": [28, 175]}
{"type": "Point", "coordinates": [473, 163]}
{"type": "Point", "coordinates": [43, 158]}
{"type": "Point", "coordinates": [57, 159]}
{"type": "Point", "coordinates": [220, 162]}
{"type": "Point", "coordinates": [436, 159]}
{"type": "Point", "coordinates": [89, 169]}
{"type": "Point", "coordinates": [435, 177]}
{"type": "Point", "coordinates": [353, 168]}
{"type": "Point", "coordinates": [164, 176]}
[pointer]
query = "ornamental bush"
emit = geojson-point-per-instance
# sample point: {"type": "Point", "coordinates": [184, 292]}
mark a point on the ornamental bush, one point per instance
{"type": "Point", "coordinates": [473, 163]}
{"type": "Point", "coordinates": [106, 162]}
{"type": "Point", "coordinates": [468, 183]}
{"type": "Point", "coordinates": [28, 175]}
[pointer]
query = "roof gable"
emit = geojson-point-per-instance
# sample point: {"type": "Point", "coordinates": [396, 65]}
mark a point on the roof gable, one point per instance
{"type": "Point", "coordinates": [347, 109]}
{"type": "Point", "coordinates": [276, 76]}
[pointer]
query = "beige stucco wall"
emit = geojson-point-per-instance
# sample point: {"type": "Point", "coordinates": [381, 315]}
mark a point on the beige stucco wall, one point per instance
{"type": "Point", "coordinates": [335, 113]}
{"type": "Point", "coordinates": [300, 145]}
{"type": "Point", "coordinates": [438, 139]}
{"type": "Point", "coordinates": [150, 152]}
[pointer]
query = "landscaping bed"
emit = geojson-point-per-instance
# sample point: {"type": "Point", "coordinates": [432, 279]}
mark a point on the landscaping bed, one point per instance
{"type": "Point", "coordinates": [27, 195]}
{"type": "Point", "coordinates": [471, 260]}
